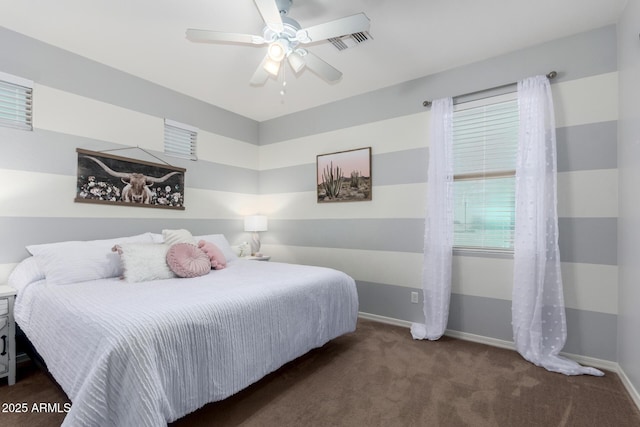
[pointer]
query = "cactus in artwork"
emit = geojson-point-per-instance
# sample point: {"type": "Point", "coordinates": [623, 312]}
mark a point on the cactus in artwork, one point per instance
{"type": "Point", "coordinates": [332, 181]}
{"type": "Point", "coordinates": [355, 179]}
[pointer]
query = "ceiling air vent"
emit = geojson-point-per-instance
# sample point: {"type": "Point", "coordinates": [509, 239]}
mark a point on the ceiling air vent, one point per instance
{"type": "Point", "coordinates": [350, 40]}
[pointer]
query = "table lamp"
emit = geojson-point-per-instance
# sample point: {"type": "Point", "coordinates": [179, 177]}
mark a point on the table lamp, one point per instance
{"type": "Point", "coordinates": [254, 224]}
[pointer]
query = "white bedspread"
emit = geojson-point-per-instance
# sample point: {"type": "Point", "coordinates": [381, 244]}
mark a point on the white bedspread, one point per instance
{"type": "Point", "coordinates": [144, 354]}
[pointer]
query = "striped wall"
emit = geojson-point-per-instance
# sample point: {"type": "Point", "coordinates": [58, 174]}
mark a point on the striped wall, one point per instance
{"type": "Point", "coordinates": [380, 242]}
{"type": "Point", "coordinates": [246, 167]}
{"type": "Point", "coordinates": [629, 201]}
{"type": "Point", "coordinates": [80, 103]}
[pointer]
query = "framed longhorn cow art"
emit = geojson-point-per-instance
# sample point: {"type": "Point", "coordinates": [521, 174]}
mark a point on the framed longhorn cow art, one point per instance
{"type": "Point", "coordinates": [108, 179]}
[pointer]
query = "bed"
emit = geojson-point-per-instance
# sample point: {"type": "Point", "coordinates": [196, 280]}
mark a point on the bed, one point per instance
{"type": "Point", "coordinates": [150, 352]}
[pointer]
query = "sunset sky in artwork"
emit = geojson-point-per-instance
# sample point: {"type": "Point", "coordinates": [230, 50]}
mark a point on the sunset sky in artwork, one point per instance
{"type": "Point", "coordinates": [348, 161]}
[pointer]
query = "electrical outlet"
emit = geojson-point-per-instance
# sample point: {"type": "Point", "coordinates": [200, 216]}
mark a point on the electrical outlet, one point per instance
{"type": "Point", "coordinates": [414, 297]}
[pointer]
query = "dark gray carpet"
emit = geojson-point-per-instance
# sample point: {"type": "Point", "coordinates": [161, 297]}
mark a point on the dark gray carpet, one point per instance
{"type": "Point", "coordinates": [379, 376]}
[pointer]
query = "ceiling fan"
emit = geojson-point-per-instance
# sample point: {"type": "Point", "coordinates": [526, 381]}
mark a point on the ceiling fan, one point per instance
{"type": "Point", "coordinates": [284, 37]}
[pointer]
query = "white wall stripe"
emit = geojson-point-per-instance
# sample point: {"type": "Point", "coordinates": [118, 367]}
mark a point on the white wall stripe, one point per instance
{"type": "Point", "coordinates": [583, 194]}
{"type": "Point", "coordinates": [389, 201]}
{"type": "Point", "coordinates": [49, 195]}
{"type": "Point", "coordinates": [398, 134]}
{"type": "Point", "coordinates": [587, 100]}
{"type": "Point", "coordinates": [67, 113]}
{"type": "Point", "coordinates": [588, 193]}
{"type": "Point", "coordinates": [227, 151]}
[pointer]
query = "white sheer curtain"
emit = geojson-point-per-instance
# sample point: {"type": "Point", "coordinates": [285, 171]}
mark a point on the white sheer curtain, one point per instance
{"type": "Point", "coordinates": [438, 234]}
{"type": "Point", "coordinates": [539, 324]}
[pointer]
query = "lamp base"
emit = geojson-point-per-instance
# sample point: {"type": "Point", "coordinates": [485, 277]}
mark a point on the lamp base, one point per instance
{"type": "Point", "coordinates": [255, 244]}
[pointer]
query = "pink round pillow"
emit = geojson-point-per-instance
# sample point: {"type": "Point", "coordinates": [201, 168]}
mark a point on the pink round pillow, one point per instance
{"type": "Point", "coordinates": [187, 260]}
{"type": "Point", "coordinates": [218, 261]}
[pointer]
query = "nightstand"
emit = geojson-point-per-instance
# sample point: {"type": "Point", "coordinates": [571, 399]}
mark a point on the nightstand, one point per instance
{"type": "Point", "coordinates": [258, 258]}
{"type": "Point", "coordinates": [7, 334]}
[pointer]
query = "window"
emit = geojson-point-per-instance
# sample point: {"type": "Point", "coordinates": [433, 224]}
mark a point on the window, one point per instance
{"type": "Point", "coordinates": [15, 102]}
{"type": "Point", "coordinates": [180, 140]}
{"type": "Point", "coordinates": [485, 141]}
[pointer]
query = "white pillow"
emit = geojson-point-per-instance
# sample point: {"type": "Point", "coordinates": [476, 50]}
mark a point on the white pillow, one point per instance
{"type": "Point", "coordinates": [221, 242]}
{"type": "Point", "coordinates": [26, 272]}
{"type": "Point", "coordinates": [157, 238]}
{"type": "Point", "coordinates": [79, 261]}
{"type": "Point", "coordinates": [171, 237]}
{"type": "Point", "coordinates": [144, 261]}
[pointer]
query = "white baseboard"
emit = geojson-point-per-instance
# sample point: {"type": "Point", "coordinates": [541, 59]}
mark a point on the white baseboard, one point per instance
{"type": "Point", "coordinates": [635, 396]}
{"type": "Point", "coordinates": [383, 319]}
{"type": "Point", "coordinates": [583, 360]}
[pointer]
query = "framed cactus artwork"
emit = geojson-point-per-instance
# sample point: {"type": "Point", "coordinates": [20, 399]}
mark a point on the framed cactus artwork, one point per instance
{"type": "Point", "coordinates": [344, 176]}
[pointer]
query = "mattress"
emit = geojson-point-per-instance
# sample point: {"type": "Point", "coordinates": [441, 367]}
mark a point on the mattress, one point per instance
{"type": "Point", "coordinates": [145, 354]}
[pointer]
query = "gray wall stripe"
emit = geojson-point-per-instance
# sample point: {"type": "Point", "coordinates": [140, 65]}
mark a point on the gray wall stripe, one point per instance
{"type": "Point", "coordinates": [584, 240]}
{"type": "Point", "coordinates": [52, 152]}
{"type": "Point", "coordinates": [592, 334]}
{"type": "Point", "coordinates": [21, 232]}
{"type": "Point", "coordinates": [389, 301]}
{"type": "Point", "coordinates": [583, 147]}
{"type": "Point", "coordinates": [587, 147]}
{"type": "Point", "coordinates": [291, 179]}
{"type": "Point", "coordinates": [398, 167]}
{"type": "Point", "coordinates": [389, 234]}
{"type": "Point", "coordinates": [587, 54]}
{"type": "Point", "coordinates": [589, 333]}
{"type": "Point", "coordinates": [588, 240]}
{"type": "Point", "coordinates": [64, 70]}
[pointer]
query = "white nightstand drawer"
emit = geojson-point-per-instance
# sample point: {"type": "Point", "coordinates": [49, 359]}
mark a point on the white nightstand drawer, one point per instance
{"type": "Point", "coordinates": [7, 334]}
{"type": "Point", "coordinates": [4, 345]}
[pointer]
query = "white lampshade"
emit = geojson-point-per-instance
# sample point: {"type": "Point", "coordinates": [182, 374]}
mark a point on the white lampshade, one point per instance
{"type": "Point", "coordinates": [296, 61]}
{"type": "Point", "coordinates": [255, 223]}
{"type": "Point", "coordinates": [272, 67]}
{"type": "Point", "coordinates": [277, 50]}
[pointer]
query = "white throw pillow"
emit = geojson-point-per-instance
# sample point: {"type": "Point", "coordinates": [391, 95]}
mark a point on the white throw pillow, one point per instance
{"type": "Point", "coordinates": [80, 261]}
{"type": "Point", "coordinates": [144, 261]}
{"type": "Point", "coordinates": [171, 237]}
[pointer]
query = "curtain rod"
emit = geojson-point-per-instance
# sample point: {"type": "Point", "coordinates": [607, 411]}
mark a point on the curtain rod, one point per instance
{"type": "Point", "coordinates": [550, 75]}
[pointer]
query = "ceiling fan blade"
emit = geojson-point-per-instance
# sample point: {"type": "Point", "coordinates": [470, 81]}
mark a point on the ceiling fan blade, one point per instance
{"type": "Point", "coordinates": [207, 36]}
{"type": "Point", "coordinates": [321, 68]}
{"type": "Point", "coordinates": [339, 27]}
{"type": "Point", "coordinates": [261, 75]}
{"type": "Point", "coordinates": [270, 14]}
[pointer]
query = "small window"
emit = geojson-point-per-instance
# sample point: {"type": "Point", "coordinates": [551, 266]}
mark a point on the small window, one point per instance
{"type": "Point", "coordinates": [180, 140]}
{"type": "Point", "coordinates": [15, 102]}
{"type": "Point", "coordinates": [485, 141]}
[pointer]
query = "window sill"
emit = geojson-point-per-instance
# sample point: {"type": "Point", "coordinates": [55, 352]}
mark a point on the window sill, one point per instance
{"type": "Point", "coordinates": [484, 253]}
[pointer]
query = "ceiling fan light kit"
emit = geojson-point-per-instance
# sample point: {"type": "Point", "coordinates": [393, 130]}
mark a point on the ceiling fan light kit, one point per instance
{"type": "Point", "coordinates": [283, 36]}
{"type": "Point", "coordinates": [278, 49]}
{"type": "Point", "coordinates": [272, 67]}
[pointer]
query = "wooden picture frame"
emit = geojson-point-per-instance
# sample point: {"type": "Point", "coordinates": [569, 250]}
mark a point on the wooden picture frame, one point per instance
{"type": "Point", "coordinates": [344, 176]}
{"type": "Point", "coordinates": [113, 180]}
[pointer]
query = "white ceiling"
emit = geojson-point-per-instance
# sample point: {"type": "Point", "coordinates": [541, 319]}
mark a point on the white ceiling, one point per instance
{"type": "Point", "coordinates": [411, 39]}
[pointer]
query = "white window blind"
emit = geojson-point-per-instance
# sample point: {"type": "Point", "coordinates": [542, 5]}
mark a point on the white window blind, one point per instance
{"type": "Point", "coordinates": [180, 140]}
{"type": "Point", "coordinates": [485, 141]}
{"type": "Point", "coordinates": [15, 102]}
